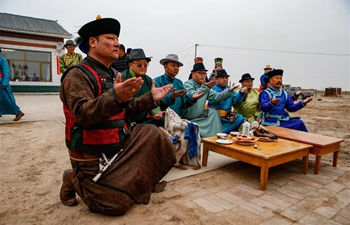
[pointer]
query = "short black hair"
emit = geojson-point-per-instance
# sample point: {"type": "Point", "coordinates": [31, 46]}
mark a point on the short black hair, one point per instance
{"type": "Point", "coordinates": [122, 47]}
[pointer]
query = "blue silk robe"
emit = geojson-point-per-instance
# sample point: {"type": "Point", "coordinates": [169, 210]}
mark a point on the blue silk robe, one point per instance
{"type": "Point", "coordinates": [276, 115]}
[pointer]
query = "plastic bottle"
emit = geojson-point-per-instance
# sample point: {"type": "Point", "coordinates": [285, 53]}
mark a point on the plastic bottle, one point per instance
{"type": "Point", "coordinates": [255, 123]}
{"type": "Point", "coordinates": [246, 127]}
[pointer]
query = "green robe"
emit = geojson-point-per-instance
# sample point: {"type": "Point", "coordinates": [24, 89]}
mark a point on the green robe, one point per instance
{"type": "Point", "coordinates": [144, 117]}
{"type": "Point", "coordinates": [211, 124]}
{"type": "Point", "coordinates": [68, 61]}
{"type": "Point", "coordinates": [249, 108]}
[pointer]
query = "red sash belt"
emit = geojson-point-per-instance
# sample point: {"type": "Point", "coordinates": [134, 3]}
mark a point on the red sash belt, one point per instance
{"type": "Point", "coordinates": [1, 75]}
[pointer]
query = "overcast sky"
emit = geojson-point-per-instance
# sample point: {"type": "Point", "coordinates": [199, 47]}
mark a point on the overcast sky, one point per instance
{"type": "Point", "coordinates": [308, 39]}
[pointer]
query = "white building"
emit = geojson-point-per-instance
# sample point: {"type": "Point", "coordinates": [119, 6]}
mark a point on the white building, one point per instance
{"type": "Point", "coordinates": [32, 47]}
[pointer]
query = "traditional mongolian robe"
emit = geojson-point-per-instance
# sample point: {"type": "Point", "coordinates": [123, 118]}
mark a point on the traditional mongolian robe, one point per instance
{"type": "Point", "coordinates": [147, 155]}
{"type": "Point", "coordinates": [248, 107]}
{"type": "Point", "coordinates": [210, 124]}
{"type": "Point", "coordinates": [224, 107]}
{"type": "Point", "coordinates": [143, 117]}
{"type": "Point", "coordinates": [67, 61]}
{"type": "Point", "coordinates": [7, 100]}
{"type": "Point", "coordinates": [177, 104]}
{"type": "Point", "coordinates": [262, 82]}
{"type": "Point", "coordinates": [276, 115]}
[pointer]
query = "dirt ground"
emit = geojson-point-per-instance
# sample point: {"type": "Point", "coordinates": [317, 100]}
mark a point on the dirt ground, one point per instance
{"type": "Point", "coordinates": [33, 157]}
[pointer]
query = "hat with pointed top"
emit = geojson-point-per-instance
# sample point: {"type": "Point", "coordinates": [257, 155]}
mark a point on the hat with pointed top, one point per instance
{"type": "Point", "coordinates": [96, 28]}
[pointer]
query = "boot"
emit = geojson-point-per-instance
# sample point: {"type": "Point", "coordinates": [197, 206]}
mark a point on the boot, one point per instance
{"type": "Point", "coordinates": [159, 187]}
{"type": "Point", "coordinates": [67, 192]}
{"type": "Point", "coordinates": [18, 116]}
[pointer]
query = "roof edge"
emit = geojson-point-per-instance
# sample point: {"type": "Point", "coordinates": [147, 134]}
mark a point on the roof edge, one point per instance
{"type": "Point", "coordinates": [38, 33]}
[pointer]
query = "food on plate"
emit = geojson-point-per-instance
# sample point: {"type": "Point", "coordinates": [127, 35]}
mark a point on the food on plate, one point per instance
{"type": "Point", "coordinates": [243, 138]}
{"type": "Point", "coordinates": [261, 131]}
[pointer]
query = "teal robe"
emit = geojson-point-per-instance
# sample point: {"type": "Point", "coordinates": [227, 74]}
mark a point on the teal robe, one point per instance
{"type": "Point", "coordinates": [7, 100]}
{"type": "Point", "coordinates": [211, 124]}
{"type": "Point", "coordinates": [177, 104]}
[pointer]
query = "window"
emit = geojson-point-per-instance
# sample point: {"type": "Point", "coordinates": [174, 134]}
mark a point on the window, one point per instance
{"type": "Point", "coordinates": [28, 65]}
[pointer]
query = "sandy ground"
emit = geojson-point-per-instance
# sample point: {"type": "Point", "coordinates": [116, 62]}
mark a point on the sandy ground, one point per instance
{"type": "Point", "coordinates": [33, 157]}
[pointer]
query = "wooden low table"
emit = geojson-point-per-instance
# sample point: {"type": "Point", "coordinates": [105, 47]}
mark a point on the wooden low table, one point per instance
{"type": "Point", "coordinates": [321, 145]}
{"type": "Point", "coordinates": [268, 154]}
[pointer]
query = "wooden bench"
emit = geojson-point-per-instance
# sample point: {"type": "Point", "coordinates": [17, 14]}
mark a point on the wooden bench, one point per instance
{"type": "Point", "coordinates": [321, 144]}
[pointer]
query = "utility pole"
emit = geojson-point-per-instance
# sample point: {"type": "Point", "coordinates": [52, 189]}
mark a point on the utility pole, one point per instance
{"type": "Point", "coordinates": [195, 50]}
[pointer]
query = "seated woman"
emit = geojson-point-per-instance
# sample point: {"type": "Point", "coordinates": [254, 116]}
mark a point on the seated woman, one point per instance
{"type": "Point", "coordinates": [230, 121]}
{"type": "Point", "coordinates": [208, 120]}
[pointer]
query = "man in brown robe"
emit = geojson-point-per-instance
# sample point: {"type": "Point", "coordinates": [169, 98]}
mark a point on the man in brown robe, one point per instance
{"type": "Point", "coordinates": [96, 105]}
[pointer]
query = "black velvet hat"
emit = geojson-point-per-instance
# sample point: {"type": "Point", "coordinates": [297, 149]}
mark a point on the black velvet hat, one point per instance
{"type": "Point", "coordinates": [97, 27]}
{"type": "Point", "coordinates": [138, 53]}
{"type": "Point", "coordinates": [273, 73]}
{"type": "Point", "coordinates": [198, 67]}
{"type": "Point", "coordinates": [245, 76]}
{"type": "Point", "coordinates": [222, 73]}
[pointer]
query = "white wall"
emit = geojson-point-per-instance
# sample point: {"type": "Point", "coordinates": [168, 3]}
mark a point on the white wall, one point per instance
{"type": "Point", "coordinates": [55, 78]}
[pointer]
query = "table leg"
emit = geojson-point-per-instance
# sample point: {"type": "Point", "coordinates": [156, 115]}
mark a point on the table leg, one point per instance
{"type": "Point", "coordinates": [335, 158]}
{"type": "Point", "coordinates": [317, 164]}
{"type": "Point", "coordinates": [264, 173]}
{"type": "Point", "coordinates": [205, 155]}
{"type": "Point", "coordinates": [306, 164]}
